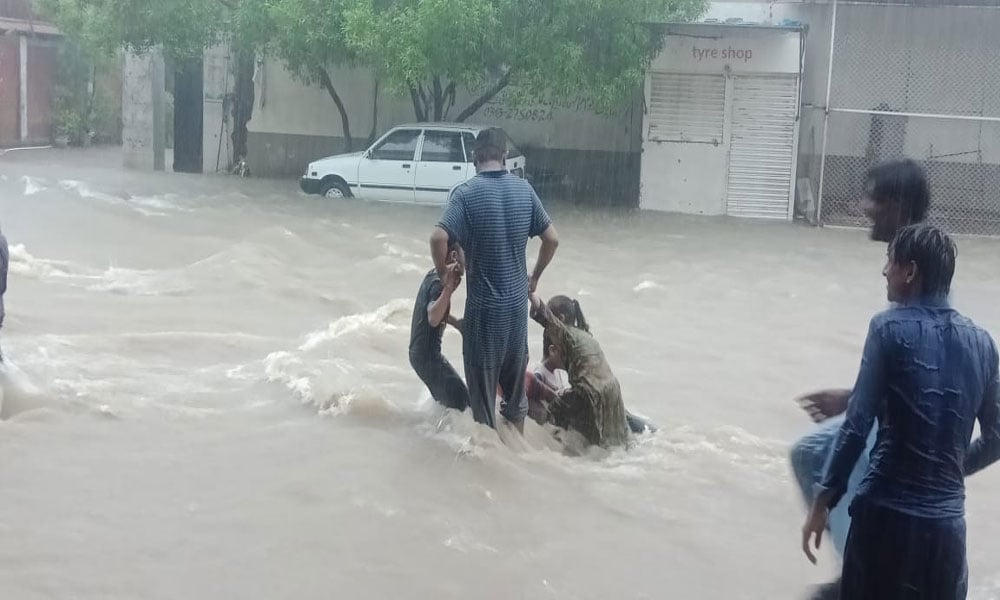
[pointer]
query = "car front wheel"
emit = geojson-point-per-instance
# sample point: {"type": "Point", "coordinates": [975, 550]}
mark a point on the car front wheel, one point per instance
{"type": "Point", "coordinates": [334, 189]}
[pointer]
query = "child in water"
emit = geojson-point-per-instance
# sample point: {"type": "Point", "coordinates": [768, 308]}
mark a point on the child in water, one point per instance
{"type": "Point", "coordinates": [549, 379]}
{"type": "Point", "coordinates": [592, 405]}
{"type": "Point", "coordinates": [542, 385]}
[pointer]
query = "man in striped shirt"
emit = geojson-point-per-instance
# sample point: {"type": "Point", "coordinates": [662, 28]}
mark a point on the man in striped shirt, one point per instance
{"type": "Point", "coordinates": [492, 216]}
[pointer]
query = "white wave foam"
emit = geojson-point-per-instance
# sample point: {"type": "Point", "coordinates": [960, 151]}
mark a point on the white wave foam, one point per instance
{"type": "Point", "coordinates": [18, 394]}
{"type": "Point", "coordinates": [376, 321]}
{"type": "Point", "coordinates": [24, 264]}
{"type": "Point", "coordinates": [393, 250]}
{"type": "Point", "coordinates": [164, 202]}
{"type": "Point", "coordinates": [140, 282]}
{"type": "Point", "coordinates": [647, 285]}
{"type": "Point", "coordinates": [407, 268]}
{"type": "Point", "coordinates": [152, 206]}
{"type": "Point", "coordinates": [32, 186]}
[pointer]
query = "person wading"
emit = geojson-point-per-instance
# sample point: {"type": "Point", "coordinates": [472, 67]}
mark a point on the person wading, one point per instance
{"type": "Point", "coordinates": [492, 216]}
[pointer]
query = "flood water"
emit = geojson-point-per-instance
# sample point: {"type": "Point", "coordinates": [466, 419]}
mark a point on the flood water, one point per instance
{"type": "Point", "coordinates": [212, 399]}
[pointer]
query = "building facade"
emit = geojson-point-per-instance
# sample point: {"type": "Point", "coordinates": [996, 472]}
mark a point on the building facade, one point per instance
{"type": "Point", "coordinates": [721, 121]}
{"type": "Point", "coordinates": [28, 71]}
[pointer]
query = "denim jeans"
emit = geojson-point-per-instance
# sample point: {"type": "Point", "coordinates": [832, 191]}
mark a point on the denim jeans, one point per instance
{"type": "Point", "coordinates": [809, 456]}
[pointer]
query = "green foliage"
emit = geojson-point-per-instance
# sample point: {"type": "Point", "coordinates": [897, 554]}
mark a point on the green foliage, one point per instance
{"type": "Point", "coordinates": [87, 97]}
{"type": "Point", "coordinates": [595, 48]}
{"type": "Point", "coordinates": [183, 28]}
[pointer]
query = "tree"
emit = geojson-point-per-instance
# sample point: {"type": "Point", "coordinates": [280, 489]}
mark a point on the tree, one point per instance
{"type": "Point", "coordinates": [183, 29]}
{"type": "Point", "coordinates": [430, 49]}
{"type": "Point", "coordinates": [308, 37]}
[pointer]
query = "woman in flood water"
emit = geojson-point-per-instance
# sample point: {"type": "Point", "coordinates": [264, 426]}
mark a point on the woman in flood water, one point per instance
{"type": "Point", "coordinates": [592, 406]}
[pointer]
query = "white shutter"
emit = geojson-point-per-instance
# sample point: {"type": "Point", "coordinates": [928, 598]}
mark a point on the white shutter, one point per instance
{"type": "Point", "coordinates": [761, 152]}
{"type": "Point", "coordinates": [686, 108]}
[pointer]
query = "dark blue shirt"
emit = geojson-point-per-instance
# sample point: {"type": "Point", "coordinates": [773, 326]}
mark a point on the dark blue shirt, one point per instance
{"type": "Point", "coordinates": [492, 216]}
{"type": "Point", "coordinates": [928, 374]}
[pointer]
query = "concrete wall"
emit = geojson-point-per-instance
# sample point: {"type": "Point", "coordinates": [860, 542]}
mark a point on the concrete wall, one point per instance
{"type": "Point", "coordinates": [567, 144]}
{"type": "Point", "coordinates": [10, 73]}
{"type": "Point", "coordinates": [143, 119]}
{"type": "Point", "coordinates": [217, 154]}
{"type": "Point", "coordinates": [41, 81]}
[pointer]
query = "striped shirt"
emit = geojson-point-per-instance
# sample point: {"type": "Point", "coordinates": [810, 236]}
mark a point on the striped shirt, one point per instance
{"type": "Point", "coordinates": [492, 216]}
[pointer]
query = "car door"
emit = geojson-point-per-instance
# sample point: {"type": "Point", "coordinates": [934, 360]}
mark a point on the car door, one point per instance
{"type": "Point", "coordinates": [387, 169]}
{"type": "Point", "coordinates": [442, 165]}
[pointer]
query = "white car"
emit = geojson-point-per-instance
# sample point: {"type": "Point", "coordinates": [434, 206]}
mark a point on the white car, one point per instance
{"type": "Point", "coordinates": [411, 163]}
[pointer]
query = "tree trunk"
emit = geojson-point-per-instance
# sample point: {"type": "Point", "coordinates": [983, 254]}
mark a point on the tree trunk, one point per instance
{"type": "Point", "coordinates": [438, 98]}
{"type": "Point", "coordinates": [345, 122]}
{"type": "Point", "coordinates": [374, 131]}
{"type": "Point", "coordinates": [486, 96]}
{"type": "Point", "coordinates": [418, 106]}
{"type": "Point", "coordinates": [243, 99]}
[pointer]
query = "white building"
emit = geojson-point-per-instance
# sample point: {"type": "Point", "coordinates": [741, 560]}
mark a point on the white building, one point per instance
{"type": "Point", "coordinates": [721, 124]}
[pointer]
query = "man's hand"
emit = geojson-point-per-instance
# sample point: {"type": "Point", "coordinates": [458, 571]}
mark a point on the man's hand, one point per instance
{"type": "Point", "coordinates": [458, 324]}
{"type": "Point", "coordinates": [825, 404]}
{"type": "Point", "coordinates": [452, 276]}
{"type": "Point", "coordinates": [532, 284]}
{"type": "Point", "coordinates": [535, 301]}
{"type": "Point", "coordinates": [813, 528]}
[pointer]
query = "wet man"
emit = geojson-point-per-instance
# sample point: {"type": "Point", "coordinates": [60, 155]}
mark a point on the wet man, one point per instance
{"type": "Point", "coordinates": [492, 216]}
{"type": "Point", "coordinates": [896, 194]}
{"type": "Point", "coordinates": [431, 314]}
{"type": "Point", "coordinates": [927, 373]}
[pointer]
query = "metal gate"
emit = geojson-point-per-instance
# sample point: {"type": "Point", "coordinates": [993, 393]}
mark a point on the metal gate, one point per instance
{"type": "Point", "coordinates": [762, 150]}
{"type": "Point", "coordinates": [686, 108]}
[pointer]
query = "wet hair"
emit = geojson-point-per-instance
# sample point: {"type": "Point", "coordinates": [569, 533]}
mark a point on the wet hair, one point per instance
{"type": "Point", "coordinates": [932, 250]}
{"type": "Point", "coordinates": [903, 182]}
{"type": "Point", "coordinates": [491, 145]}
{"type": "Point", "coordinates": [568, 311]}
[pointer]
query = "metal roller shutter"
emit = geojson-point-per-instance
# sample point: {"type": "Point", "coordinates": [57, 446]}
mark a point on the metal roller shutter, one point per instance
{"type": "Point", "coordinates": [686, 108]}
{"type": "Point", "coordinates": [761, 154]}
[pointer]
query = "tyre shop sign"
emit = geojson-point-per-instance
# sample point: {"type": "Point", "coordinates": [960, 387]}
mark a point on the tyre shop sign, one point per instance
{"type": "Point", "coordinates": [728, 53]}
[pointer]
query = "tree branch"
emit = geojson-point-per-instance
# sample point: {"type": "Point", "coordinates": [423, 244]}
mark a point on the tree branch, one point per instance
{"type": "Point", "coordinates": [345, 122]}
{"type": "Point", "coordinates": [486, 96]}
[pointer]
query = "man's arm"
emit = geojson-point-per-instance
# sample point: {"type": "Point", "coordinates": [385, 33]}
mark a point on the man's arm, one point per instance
{"type": "Point", "coordinates": [550, 242]}
{"type": "Point", "coordinates": [440, 307]}
{"type": "Point", "coordinates": [539, 312]}
{"type": "Point", "coordinates": [439, 250]}
{"type": "Point", "coordinates": [851, 439]}
{"type": "Point", "coordinates": [986, 449]}
{"type": "Point", "coordinates": [861, 413]}
{"type": "Point", "coordinates": [452, 227]}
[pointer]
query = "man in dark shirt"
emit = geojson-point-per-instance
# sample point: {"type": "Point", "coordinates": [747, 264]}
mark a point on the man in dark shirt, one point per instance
{"type": "Point", "coordinates": [492, 216]}
{"type": "Point", "coordinates": [431, 314]}
{"type": "Point", "coordinates": [896, 194]}
{"type": "Point", "coordinates": [928, 374]}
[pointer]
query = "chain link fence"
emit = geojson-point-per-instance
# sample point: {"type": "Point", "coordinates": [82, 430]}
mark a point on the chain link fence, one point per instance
{"type": "Point", "coordinates": [921, 82]}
